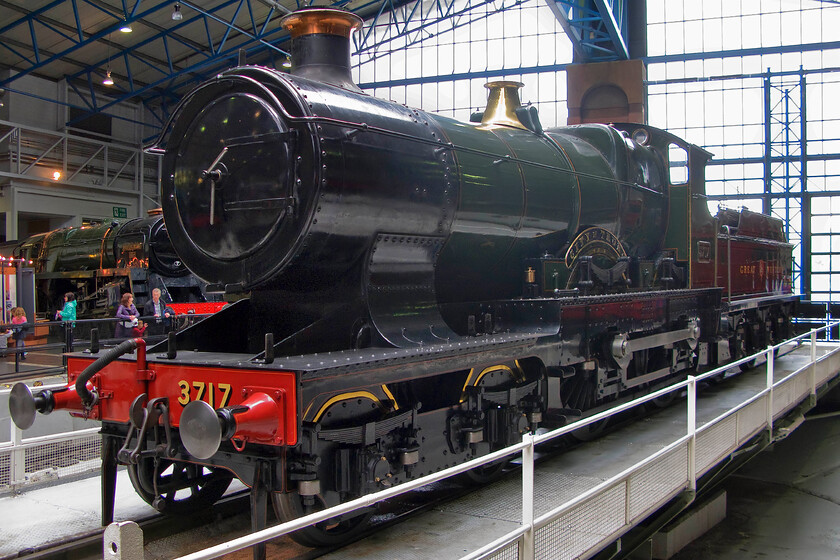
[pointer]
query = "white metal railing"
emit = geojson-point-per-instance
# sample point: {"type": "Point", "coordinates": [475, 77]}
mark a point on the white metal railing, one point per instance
{"type": "Point", "coordinates": [523, 537]}
{"type": "Point", "coordinates": [621, 488]}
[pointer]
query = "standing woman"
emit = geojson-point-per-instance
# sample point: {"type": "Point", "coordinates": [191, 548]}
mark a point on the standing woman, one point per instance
{"type": "Point", "coordinates": [68, 313]}
{"type": "Point", "coordinates": [19, 331]}
{"type": "Point", "coordinates": [127, 315]}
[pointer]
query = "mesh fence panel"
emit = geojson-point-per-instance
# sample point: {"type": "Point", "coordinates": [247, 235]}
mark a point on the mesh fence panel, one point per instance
{"type": "Point", "coordinates": [715, 442]}
{"type": "Point", "coordinates": [783, 397]}
{"type": "Point", "coordinates": [53, 460]}
{"type": "Point", "coordinates": [827, 370]}
{"type": "Point", "coordinates": [510, 552]}
{"type": "Point", "coordinates": [5, 469]}
{"type": "Point", "coordinates": [582, 528]}
{"type": "Point", "coordinates": [657, 481]}
{"type": "Point", "coordinates": [751, 419]}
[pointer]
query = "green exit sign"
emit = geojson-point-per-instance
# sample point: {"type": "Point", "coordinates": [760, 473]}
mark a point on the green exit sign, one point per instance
{"type": "Point", "coordinates": [120, 212]}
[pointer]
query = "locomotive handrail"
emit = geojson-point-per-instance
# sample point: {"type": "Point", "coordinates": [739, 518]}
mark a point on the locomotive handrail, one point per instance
{"type": "Point", "coordinates": [527, 446]}
{"type": "Point", "coordinates": [728, 264]}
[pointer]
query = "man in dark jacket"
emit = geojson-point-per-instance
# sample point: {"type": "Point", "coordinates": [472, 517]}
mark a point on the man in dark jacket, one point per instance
{"type": "Point", "coordinates": [162, 315]}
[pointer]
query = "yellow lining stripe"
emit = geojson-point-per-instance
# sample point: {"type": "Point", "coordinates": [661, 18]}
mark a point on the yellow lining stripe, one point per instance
{"type": "Point", "coordinates": [467, 382]}
{"type": "Point", "coordinates": [485, 371]}
{"type": "Point", "coordinates": [390, 396]}
{"type": "Point", "coordinates": [520, 373]}
{"type": "Point", "coordinates": [344, 397]}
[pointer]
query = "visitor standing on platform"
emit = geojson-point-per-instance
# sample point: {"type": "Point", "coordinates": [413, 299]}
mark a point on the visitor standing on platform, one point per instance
{"type": "Point", "coordinates": [127, 315]}
{"type": "Point", "coordinates": [68, 313]}
{"type": "Point", "coordinates": [159, 310]}
{"type": "Point", "coordinates": [19, 331]}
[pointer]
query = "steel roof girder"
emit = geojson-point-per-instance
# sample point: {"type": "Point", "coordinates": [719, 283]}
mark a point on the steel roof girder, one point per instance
{"type": "Point", "coordinates": [77, 45]}
{"type": "Point", "coordinates": [168, 34]}
{"type": "Point", "coordinates": [614, 14]}
{"type": "Point", "coordinates": [581, 19]}
{"type": "Point", "coordinates": [31, 15]}
{"type": "Point", "coordinates": [231, 27]}
{"type": "Point", "coordinates": [425, 20]}
{"type": "Point", "coordinates": [232, 21]}
{"type": "Point", "coordinates": [232, 52]}
{"type": "Point", "coordinates": [134, 15]}
{"type": "Point", "coordinates": [78, 21]}
{"type": "Point", "coordinates": [7, 46]}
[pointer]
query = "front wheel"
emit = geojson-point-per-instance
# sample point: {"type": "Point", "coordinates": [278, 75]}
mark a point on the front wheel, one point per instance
{"type": "Point", "coordinates": [177, 488]}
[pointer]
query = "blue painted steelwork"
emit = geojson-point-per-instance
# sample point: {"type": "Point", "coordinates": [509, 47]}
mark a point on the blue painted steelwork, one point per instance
{"type": "Point", "coordinates": [213, 57]}
{"type": "Point", "coordinates": [739, 53]}
{"type": "Point", "coordinates": [786, 164]}
{"type": "Point", "coordinates": [410, 24]}
{"type": "Point", "coordinates": [256, 31]}
{"type": "Point", "coordinates": [597, 28]}
{"type": "Point", "coordinates": [215, 53]}
{"type": "Point", "coordinates": [409, 21]}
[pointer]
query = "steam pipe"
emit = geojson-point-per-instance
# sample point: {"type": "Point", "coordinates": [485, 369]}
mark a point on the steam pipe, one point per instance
{"type": "Point", "coordinates": [89, 398]}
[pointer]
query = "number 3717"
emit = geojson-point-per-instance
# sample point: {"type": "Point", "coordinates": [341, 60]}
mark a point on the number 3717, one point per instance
{"type": "Point", "coordinates": [215, 395]}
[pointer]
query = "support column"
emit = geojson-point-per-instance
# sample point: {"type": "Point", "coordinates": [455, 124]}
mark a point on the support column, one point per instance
{"type": "Point", "coordinates": [605, 92]}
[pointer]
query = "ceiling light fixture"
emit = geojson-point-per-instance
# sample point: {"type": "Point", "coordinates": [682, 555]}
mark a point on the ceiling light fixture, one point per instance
{"type": "Point", "coordinates": [176, 13]}
{"type": "Point", "coordinates": [126, 28]}
{"type": "Point", "coordinates": [108, 81]}
{"type": "Point", "coordinates": [56, 175]}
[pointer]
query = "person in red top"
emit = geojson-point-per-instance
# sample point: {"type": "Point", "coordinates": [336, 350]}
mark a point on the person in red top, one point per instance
{"type": "Point", "coordinates": [19, 332]}
{"type": "Point", "coordinates": [139, 330]}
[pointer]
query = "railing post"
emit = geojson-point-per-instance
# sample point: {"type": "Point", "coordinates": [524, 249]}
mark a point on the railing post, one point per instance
{"type": "Point", "coordinates": [692, 431]}
{"type": "Point", "coordinates": [770, 373]}
{"type": "Point", "coordinates": [526, 547]}
{"type": "Point", "coordinates": [68, 336]}
{"type": "Point", "coordinates": [18, 148]}
{"type": "Point", "coordinates": [17, 458]}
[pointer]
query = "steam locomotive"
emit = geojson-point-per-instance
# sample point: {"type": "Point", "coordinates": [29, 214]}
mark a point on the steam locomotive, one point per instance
{"type": "Point", "coordinates": [409, 291]}
{"type": "Point", "coordinates": [101, 262]}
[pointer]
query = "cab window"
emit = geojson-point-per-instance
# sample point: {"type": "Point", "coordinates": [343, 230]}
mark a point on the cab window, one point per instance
{"type": "Point", "coordinates": [678, 164]}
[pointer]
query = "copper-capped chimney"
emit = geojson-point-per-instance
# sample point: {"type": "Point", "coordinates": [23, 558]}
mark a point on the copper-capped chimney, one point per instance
{"type": "Point", "coordinates": [321, 44]}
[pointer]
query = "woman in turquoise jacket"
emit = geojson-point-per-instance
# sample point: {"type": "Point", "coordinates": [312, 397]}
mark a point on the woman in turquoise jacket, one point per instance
{"type": "Point", "coordinates": [68, 313]}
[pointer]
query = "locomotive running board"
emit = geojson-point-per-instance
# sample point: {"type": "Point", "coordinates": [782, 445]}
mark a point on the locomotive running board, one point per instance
{"type": "Point", "coordinates": [401, 291]}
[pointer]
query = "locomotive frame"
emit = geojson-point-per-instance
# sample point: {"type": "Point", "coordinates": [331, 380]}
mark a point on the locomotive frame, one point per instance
{"type": "Point", "coordinates": [414, 293]}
